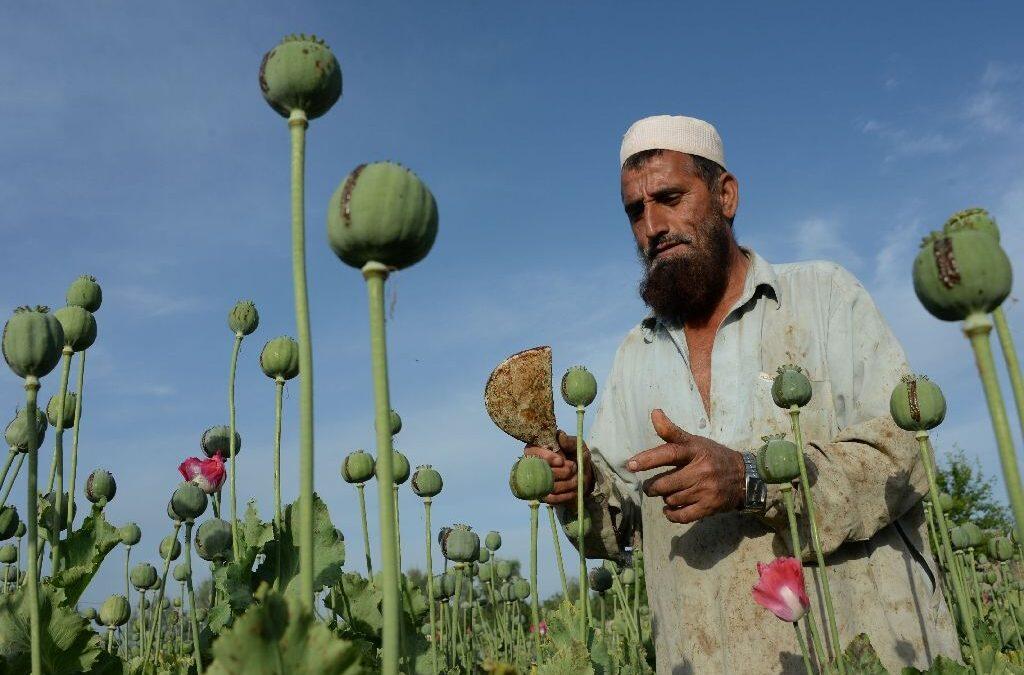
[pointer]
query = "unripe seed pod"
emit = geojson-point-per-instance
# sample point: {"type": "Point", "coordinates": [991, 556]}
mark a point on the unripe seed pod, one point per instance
{"type": "Point", "coordinates": [243, 318]}
{"type": "Point", "coordinates": [627, 577]}
{"type": "Point", "coordinates": [130, 534]}
{"type": "Point", "coordinates": [960, 273]}
{"type": "Point", "coordinates": [396, 422]}
{"type": "Point", "coordinates": [492, 541]}
{"type": "Point", "coordinates": [521, 588]}
{"type": "Point", "coordinates": [16, 433]}
{"type": "Point", "coordinates": [472, 568]}
{"type": "Point", "coordinates": [115, 611]}
{"type": "Point", "coordinates": [8, 522]}
{"type": "Point", "coordinates": [990, 577]}
{"type": "Point", "coordinates": [503, 568]}
{"type": "Point", "coordinates": [426, 482]}
{"type": "Point", "coordinates": [100, 486]}
{"type": "Point", "coordinates": [217, 441]}
{"type": "Point", "coordinates": [791, 387]}
{"type": "Point", "coordinates": [79, 326]}
{"type": "Point", "coordinates": [213, 540]}
{"type": "Point", "coordinates": [382, 213]}
{"type": "Point", "coordinates": [143, 576]}
{"type": "Point", "coordinates": [181, 571]}
{"type": "Point", "coordinates": [579, 388]}
{"type": "Point", "coordinates": [8, 554]}
{"type": "Point", "coordinates": [778, 460]}
{"type": "Point", "coordinates": [32, 341]}
{"type": "Point", "coordinates": [53, 410]}
{"type": "Point", "coordinates": [945, 502]}
{"type": "Point", "coordinates": [917, 404]}
{"type": "Point", "coordinates": [176, 602]}
{"type": "Point", "coordinates": [84, 292]}
{"type": "Point", "coordinates": [600, 579]}
{"type": "Point", "coordinates": [973, 219]}
{"type": "Point", "coordinates": [280, 358]}
{"type": "Point", "coordinates": [399, 466]}
{"type": "Point", "coordinates": [981, 559]}
{"type": "Point", "coordinates": [301, 73]}
{"type": "Point", "coordinates": [9, 575]}
{"type": "Point", "coordinates": [156, 585]}
{"type": "Point", "coordinates": [171, 514]}
{"type": "Point", "coordinates": [186, 648]}
{"type": "Point", "coordinates": [165, 603]}
{"type": "Point", "coordinates": [90, 614]}
{"type": "Point", "coordinates": [20, 531]}
{"type": "Point", "coordinates": [571, 525]}
{"type": "Point", "coordinates": [446, 584]}
{"type": "Point", "coordinates": [484, 571]}
{"type": "Point", "coordinates": [51, 497]}
{"type": "Point", "coordinates": [188, 502]}
{"type": "Point", "coordinates": [531, 478]}
{"type": "Point", "coordinates": [1000, 548]}
{"type": "Point", "coordinates": [485, 555]}
{"type": "Point", "coordinates": [461, 544]}
{"type": "Point", "coordinates": [508, 592]}
{"type": "Point", "coordinates": [967, 535]}
{"type": "Point", "coordinates": [357, 467]}
{"type": "Point", "coordinates": [170, 547]}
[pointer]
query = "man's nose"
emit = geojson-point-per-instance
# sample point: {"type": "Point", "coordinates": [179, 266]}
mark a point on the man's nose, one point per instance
{"type": "Point", "coordinates": [655, 221]}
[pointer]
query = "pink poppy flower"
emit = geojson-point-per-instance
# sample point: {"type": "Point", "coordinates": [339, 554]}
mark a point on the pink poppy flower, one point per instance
{"type": "Point", "coordinates": [781, 589]}
{"type": "Point", "coordinates": [543, 628]}
{"type": "Point", "coordinates": [208, 474]}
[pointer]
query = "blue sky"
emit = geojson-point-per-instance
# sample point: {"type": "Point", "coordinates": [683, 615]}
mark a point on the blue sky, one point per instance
{"type": "Point", "coordinates": [137, 148]}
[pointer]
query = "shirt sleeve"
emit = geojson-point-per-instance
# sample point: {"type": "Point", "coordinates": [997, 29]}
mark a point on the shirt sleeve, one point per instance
{"type": "Point", "coordinates": [869, 474]}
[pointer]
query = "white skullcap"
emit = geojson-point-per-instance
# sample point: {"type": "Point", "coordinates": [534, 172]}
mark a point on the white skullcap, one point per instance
{"type": "Point", "coordinates": [673, 132]}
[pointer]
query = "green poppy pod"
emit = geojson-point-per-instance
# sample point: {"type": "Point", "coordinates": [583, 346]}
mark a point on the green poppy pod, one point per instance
{"type": "Point", "coordinates": [382, 213]}
{"type": "Point", "coordinates": [531, 479]}
{"type": "Point", "coordinates": [572, 527]}
{"type": "Point", "coordinates": [32, 342]}
{"type": "Point", "coordinates": [280, 358]}
{"type": "Point", "coordinates": [508, 592]}
{"type": "Point", "coordinates": [600, 580]}
{"type": "Point", "coordinates": [143, 576]}
{"type": "Point", "coordinates": [53, 410]}
{"type": "Point", "coordinates": [176, 601]}
{"type": "Point", "coordinates": [778, 461]}
{"type": "Point", "coordinates": [115, 611]}
{"type": "Point", "coordinates": [9, 575]}
{"type": "Point", "coordinates": [990, 577]}
{"type": "Point", "coordinates": [8, 521]}
{"type": "Point", "coordinates": [300, 74]}
{"type": "Point", "coordinates": [16, 433]}
{"type": "Point", "coordinates": [471, 569]}
{"type": "Point", "coordinates": [51, 498]}
{"type": "Point", "coordinates": [213, 540]}
{"type": "Point", "coordinates": [442, 533]}
{"type": "Point", "coordinates": [973, 219]}
{"type": "Point", "coordinates": [357, 467]}
{"type": "Point", "coordinates": [170, 547]}
{"type": "Point", "coordinates": [100, 487]}
{"type": "Point", "coordinates": [945, 502]}
{"type": "Point", "coordinates": [186, 648]}
{"type": "Point", "coordinates": [917, 404]}
{"type": "Point", "coordinates": [426, 482]}
{"type": "Point", "coordinates": [216, 441]}
{"type": "Point", "coordinates": [181, 572]}
{"type": "Point", "coordinates": [460, 544]}
{"type": "Point", "coordinates": [960, 273]}
{"type": "Point", "coordinates": [970, 536]}
{"type": "Point", "coordinates": [188, 502]}
{"type": "Point", "coordinates": [521, 588]}
{"type": "Point", "coordinates": [79, 326]}
{"type": "Point", "coordinates": [399, 467]}
{"type": "Point", "coordinates": [20, 531]}
{"type": "Point", "coordinates": [171, 514]}
{"type": "Point", "coordinates": [503, 569]}
{"type": "Point", "coordinates": [130, 534]}
{"type": "Point", "coordinates": [243, 318]}
{"type": "Point", "coordinates": [492, 541]}
{"type": "Point", "coordinates": [791, 387]}
{"type": "Point", "coordinates": [627, 577]}
{"type": "Point", "coordinates": [579, 388]}
{"type": "Point", "coordinates": [445, 584]}
{"type": "Point", "coordinates": [156, 585]}
{"type": "Point", "coordinates": [396, 422]}
{"type": "Point", "coordinates": [90, 614]}
{"type": "Point", "coordinates": [165, 603]}
{"type": "Point", "coordinates": [485, 555]}
{"type": "Point", "coordinates": [1000, 548]}
{"type": "Point", "coordinates": [483, 571]}
{"type": "Point", "coordinates": [8, 554]}
{"type": "Point", "coordinates": [84, 292]}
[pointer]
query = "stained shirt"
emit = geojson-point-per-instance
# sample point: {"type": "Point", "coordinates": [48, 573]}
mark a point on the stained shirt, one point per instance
{"type": "Point", "coordinates": [865, 474]}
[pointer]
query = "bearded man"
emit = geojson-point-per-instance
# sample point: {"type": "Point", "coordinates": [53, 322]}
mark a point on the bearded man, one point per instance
{"type": "Point", "coordinates": [689, 395]}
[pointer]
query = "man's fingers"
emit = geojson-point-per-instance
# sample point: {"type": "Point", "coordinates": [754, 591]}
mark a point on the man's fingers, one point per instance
{"type": "Point", "coordinates": [554, 459]}
{"type": "Point", "coordinates": [559, 499]}
{"type": "Point", "coordinates": [685, 497]}
{"type": "Point", "coordinates": [666, 428]}
{"type": "Point", "coordinates": [567, 443]}
{"type": "Point", "coordinates": [563, 472]}
{"type": "Point", "coordinates": [668, 454]}
{"type": "Point", "coordinates": [668, 482]}
{"type": "Point", "coordinates": [562, 486]}
{"type": "Point", "coordinates": [687, 514]}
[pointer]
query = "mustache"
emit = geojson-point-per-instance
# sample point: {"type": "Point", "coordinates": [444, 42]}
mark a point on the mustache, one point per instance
{"type": "Point", "coordinates": [664, 240]}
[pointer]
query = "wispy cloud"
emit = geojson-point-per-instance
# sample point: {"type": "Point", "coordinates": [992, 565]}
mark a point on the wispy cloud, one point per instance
{"type": "Point", "coordinates": [902, 143]}
{"type": "Point", "coordinates": [992, 106]}
{"type": "Point", "coordinates": [819, 237]}
{"type": "Point", "coordinates": [152, 303]}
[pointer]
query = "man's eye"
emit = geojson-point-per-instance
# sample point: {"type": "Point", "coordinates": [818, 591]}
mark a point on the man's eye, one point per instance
{"type": "Point", "coordinates": [634, 213]}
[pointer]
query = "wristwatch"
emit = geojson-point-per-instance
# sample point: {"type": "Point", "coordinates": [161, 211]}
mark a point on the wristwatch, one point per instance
{"type": "Point", "coordinates": [755, 492]}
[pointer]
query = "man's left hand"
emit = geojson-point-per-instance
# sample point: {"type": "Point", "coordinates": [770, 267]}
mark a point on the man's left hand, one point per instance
{"type": "Point", "coordinates": [706, 477]}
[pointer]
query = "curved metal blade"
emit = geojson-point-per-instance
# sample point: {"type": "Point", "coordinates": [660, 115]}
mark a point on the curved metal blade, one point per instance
{"type": "Point", "coordinates": [519, 397]}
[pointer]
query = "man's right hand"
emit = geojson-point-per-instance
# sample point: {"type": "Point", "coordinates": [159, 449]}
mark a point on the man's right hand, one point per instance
{"type": "Point", "coordinates": [563, 466]}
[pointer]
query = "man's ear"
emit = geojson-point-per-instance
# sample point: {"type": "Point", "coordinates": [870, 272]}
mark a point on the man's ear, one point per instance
{"type": "Point", "coordinates": [728, 194]}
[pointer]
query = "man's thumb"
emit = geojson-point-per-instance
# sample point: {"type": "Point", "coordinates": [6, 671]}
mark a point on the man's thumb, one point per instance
{"type": "Point", "coordinates": [666, 428]}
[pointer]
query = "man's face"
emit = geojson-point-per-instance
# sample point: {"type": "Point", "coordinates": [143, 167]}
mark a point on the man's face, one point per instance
{"type": "Point", "coordinates": [682, 233]}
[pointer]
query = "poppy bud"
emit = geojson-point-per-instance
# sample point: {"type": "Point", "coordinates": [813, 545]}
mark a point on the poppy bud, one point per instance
{"type": "Point", "coordinates": [213, 540]}
{"type": "Point", "coordinates": [53, 410]}
{"type": "Point", "coordinates": [579, 388]}
{"type": "Point", "coordinates": [16, 433]}
{"type": "Point", "coordinates": [243, 318]}
{"type": "Point", "coordinates": [627, 577]}
{"type": "Point", "coordinates": [1000, 548]}
{"type": "Point", "coordinates": [216, 441]}
{"type": "Point", "coordinates": [170, 547]}
{"type": "Point", "coordinates": [492, 541]}
{"type": "Point", "coordinates": [280, 358]}
{"type": "Point", "coordinates": [503, 569]}
{"type": "Point", "coordinates": [791, 387]}
{"type": "Point", "coordinates": [84, 292]}
{"type": "Point", "coordinates": [8, 522]}
{"type": "Point", "coordinates": [778, 460]}
{"type": "Point", "coordinates": [357, 467]}
{"type": "Point", "coordinates": [396, 422]}
{"type": "Point", "coordinates": [181, 572]}
{"type": "Point", "coordinates": [399, 466]}
{"type": "Point", "coordinates": [115, 611]}
{"type": "Point", "coordinates": [100, 487]}
{"type": "Point", "coordinates": [130, 534]}
{"type": "Point", "coordinates": [8, 554]}
{"type": "Point", "coordinates": [485, 555]}
{"type": "Point", "coordinates": [188, 502]}
{"type": "Point", "coordinates": [79, 327]}
{"type": "Point", "coordinates": [521, 588]}
{"type": "Point", "coordinates": [32, 342]}
{"type": "Point", "coordinates": [531, 479]}
{"type": "Point", "coordinates": [572, 527]}
{"type": "Point", "coordinates": [143, 576]}
{"type": "Point", "coordinates": [90, 614]}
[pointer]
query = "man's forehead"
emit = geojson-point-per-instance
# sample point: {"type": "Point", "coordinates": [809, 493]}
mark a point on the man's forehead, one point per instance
{"type": "Point", "coordinates": [667, 167]}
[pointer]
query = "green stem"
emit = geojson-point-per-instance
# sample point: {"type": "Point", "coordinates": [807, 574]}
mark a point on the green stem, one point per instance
{"type": "Point", "coordinates": [110, 640]}
{"type": "Point", "coordinates": [803, 648]}
{"type": "Point", "coordinates": [375, 274]}
{"type": "Point", "coordinates": [534, 597]}
{"type": "Point", "coordinates": [142, 620]}
{"type": "Point", "coordinates": [580, 535]}
{"type": "Point", "coordinates": [193, 619]}
{"type": "Point", "coordinates": [398, 530]}
{"type": "Point", "coordinates": [74, 440]}
{"type": "Point", "coordinates": [7, 465]}
{"type": "Point", "coordinates": [794, 533]}
{"type": "Point", "coordinates": [236, 346]}
{"type": "Point", "coordinates": [297, 124]}
{"type": "Point", "coordinates": [127, 595]}
{"type": "Point", "coordinates": [558, 552]}
{"type": "Point", "coordinates": [430, 580]}
{"type": "Point", "coordinates": [278, 396]}
{"type": "Point", "coordinates": [31, 392]}
{"type": "Point", "coordinates": [58, 450]}
{"type": "Point", "coordinates": [958, 589]}
{"type": "Point", "coordinates": [360, 489]}
{"type": "Point", "coordinates": [1012, 362]}
{"type": "Point", "coordinates": [977, 328]}
{"type": "Point", "coordinates": [457, 608]}
{"type": "Point", "coordinates": [975, 586]}
{"type": "Point", "coordinates": [14, 477]}
{"type": "Point", "coordinates": [794, 414]}
{"type": "Point", "coordinates": [160, 594]}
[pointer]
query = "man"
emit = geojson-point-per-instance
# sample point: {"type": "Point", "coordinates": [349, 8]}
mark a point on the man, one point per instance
{"type": "Point", "coordinates": [690, 392]}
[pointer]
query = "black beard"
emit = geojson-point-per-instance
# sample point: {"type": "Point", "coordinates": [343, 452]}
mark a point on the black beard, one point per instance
{"type": "Point", "coordinates": [690, 283]}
